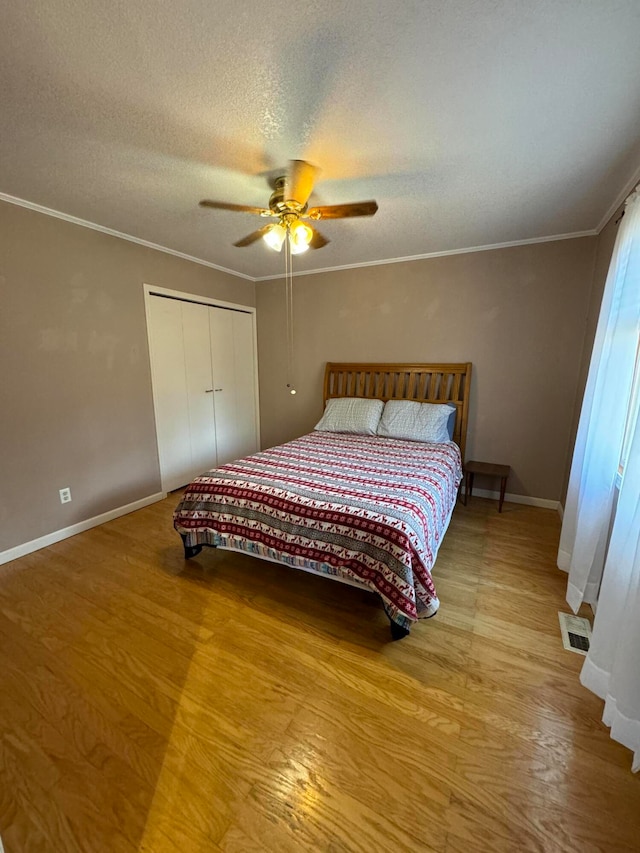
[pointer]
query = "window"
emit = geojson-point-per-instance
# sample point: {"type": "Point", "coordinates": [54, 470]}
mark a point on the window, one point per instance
{"type": "Point", "coordinates": [632, 414]}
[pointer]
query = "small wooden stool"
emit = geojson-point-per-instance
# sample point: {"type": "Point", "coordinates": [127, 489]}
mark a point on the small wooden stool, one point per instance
{"type": "Point", "coordinates": [488, 469]}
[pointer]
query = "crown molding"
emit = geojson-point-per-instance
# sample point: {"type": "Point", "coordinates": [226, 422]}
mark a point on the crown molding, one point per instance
{"type": "Point", "coordinates": [628, 188]}
{"type": "Point", "coordinates": [84, 223]}
{"type": "Point", "coordinates": [514, 243]}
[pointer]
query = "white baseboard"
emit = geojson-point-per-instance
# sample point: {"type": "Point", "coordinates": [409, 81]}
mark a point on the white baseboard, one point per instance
{"type": "Point", "coordinates": [67, 532]}
{"type": "Point", "coordinates": [560, 511]}
{"type": "Point", "coordinates": [517, 499]}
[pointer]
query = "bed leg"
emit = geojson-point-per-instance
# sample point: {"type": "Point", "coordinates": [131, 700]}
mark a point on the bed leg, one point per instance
{"type": "Point", "coordinates": [397, 631]}
{"type": "Point", "coordinates": [190, 551]}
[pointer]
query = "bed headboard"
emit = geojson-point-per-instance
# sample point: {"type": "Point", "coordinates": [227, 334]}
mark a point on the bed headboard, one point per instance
{"type": "Point", "coordinates": [424, 383]}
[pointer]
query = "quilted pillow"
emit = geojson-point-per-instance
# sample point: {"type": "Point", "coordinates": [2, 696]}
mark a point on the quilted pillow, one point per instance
{"type": "Point", "coordinates": [417, 421]}
{"type": "Point", "coordinates": [351, 414]}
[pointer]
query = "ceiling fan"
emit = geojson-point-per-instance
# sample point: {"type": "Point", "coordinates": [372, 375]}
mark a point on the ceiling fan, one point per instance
{"type": "Point", "coordinates": [288, 205]}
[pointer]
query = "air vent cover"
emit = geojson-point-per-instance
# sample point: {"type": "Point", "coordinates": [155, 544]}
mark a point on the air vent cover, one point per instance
{"type": "Point", "coordinates": [576, 633]}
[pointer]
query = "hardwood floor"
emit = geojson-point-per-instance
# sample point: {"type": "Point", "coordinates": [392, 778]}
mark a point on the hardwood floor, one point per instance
{"type": "Point", "coordinates": [231, 705]}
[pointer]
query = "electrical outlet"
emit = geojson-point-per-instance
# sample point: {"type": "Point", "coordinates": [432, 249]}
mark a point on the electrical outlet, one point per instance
{"type": "Point", "coordinates": [65, 495]}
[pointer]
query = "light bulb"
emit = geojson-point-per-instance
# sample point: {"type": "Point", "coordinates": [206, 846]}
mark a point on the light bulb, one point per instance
{"type": "Point", "coordinates": [298, 249]}
{"type": "Point", "coordinates": [300, 235]}
{"type": "Point", "coordinates": [274, 238]}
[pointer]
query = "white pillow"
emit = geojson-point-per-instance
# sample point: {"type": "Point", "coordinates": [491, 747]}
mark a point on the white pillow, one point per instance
{"type": "Point", "coordinates": [351, 414]}
{"type": "Point", "coordinates": [416, 421]}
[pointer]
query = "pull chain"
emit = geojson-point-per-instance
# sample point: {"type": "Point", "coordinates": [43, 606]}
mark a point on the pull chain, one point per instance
{"type": "Point", "coordinates": [289, 308]}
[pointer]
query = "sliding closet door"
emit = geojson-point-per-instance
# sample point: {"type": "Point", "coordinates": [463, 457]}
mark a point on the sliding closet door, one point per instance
{"type": "Point", "coordinates": [232, 357]}
{"type": "Point", "coordinates": [199, 379]}
{"type": "Point", "coordinates": [170, 391]}
{"type": "Point", "coordinates": [203, 366]}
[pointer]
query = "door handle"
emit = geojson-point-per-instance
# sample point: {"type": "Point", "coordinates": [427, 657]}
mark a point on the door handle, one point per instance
{"type": "Point", "coordinates": [217, 389]}
{"type": "Point", "coordinates": [209, 391]}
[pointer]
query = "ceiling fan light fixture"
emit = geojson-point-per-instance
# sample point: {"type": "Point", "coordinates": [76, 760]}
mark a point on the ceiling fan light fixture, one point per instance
{"type": "Point", "coordinates": [274, 238]}
{"type": "Point", "coordinates": [287, 204]}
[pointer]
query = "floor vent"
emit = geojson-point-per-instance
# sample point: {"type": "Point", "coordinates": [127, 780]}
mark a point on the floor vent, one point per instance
{"type": "Point", "coordinates": [576, 633]}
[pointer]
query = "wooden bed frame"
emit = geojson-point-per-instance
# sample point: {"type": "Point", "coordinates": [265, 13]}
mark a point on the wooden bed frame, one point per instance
{"type": "Point", "coordinates": [424, 383]}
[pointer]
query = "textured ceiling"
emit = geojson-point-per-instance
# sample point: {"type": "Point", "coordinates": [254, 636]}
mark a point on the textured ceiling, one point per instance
{"type": "Point", "coordinates": [471, 123]}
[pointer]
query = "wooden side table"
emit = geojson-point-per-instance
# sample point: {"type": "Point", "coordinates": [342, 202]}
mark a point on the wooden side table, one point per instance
{"type": "Point", "coordinates": [488, 469]}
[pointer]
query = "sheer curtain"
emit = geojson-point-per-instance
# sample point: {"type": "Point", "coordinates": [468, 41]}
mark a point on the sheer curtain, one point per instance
{"type": "Point", "coordinates": [603, 420]}
{"type": "Point", "coordinates": [612, 667]}
{"type": "Point", "coordinates": [609, 419]}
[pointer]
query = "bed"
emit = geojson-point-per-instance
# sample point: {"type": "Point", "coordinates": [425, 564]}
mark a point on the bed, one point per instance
{"type": "Point", "coordinates": [369, 510]}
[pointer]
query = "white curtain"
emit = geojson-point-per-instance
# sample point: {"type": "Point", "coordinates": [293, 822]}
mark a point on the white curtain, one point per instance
{"type": "Point", "coordinates": [612, 667]}
{"type": "Point", "coordinates": [610, 414]}
{"type": "Point", "coordinates": [592, 484]}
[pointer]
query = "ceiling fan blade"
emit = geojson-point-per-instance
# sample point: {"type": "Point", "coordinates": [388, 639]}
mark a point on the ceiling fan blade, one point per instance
{"type": "Point", "coordinates": [342, 211]}
{"type": "Point", "coordinates": [299, 182]}
{"type": "Point", "coordinates": [255, 235]}
{"type": "Point", "coordinates": [318, 240]}
{"type": "Point", "coordinates": [241, 208]}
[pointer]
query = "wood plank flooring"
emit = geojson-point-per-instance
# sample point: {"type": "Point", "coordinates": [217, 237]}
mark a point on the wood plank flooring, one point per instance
{"type": "Point", "coordinates": [226, 704]}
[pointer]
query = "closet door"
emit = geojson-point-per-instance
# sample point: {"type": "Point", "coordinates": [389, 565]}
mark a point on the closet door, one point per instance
{"type": "Point", "coordinates": [170, 391]}
{"type": "Point", "coordinates": [203, 367]}
{"type": "Point", "coordinates": [199, 380]}
{"type": "Point", "coordinates": [232, 358]}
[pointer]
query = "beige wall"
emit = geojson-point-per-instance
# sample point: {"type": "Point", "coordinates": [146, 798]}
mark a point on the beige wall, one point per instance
{"type": "Point", "coordinates": [76, 405]}
{"type": "Point", "coordinates": [518, 314]}
{"type": "Point", "coordinates": [75, 398]}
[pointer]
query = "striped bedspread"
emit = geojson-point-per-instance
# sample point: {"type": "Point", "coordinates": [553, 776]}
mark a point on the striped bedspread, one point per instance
{"type": "Point", "coordinates": [367, 508]}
